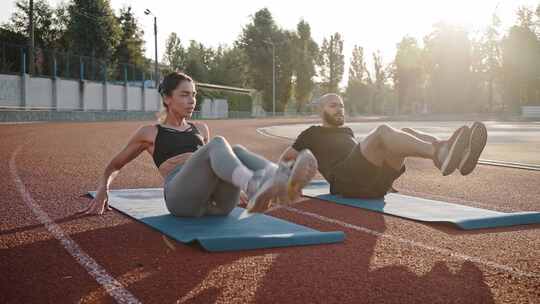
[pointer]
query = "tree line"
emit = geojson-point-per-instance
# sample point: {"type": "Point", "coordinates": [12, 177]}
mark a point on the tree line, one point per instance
{"type": "Point", "coordinates": [451, 70]}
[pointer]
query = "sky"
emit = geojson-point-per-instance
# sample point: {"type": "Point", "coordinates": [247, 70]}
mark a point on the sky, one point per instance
{"type": "Point", "coordinates": [374, 25]}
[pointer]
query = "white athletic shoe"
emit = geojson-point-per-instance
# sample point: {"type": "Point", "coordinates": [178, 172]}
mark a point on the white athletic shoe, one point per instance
{"type": "Point", "coordinates": [281, 185]}
{"type": "Point", "coordinates": [263, 187]}
{"type": "Point", "coordinates": [448, 154]}
{"type": "Point", "coordinates": [302, 172]}
{"type": "Point", "coordinates": [475, 146]}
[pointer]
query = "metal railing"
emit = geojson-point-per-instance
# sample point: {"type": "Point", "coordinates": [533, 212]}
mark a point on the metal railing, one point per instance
{"type": "Point", "coordinates": [14, 59]}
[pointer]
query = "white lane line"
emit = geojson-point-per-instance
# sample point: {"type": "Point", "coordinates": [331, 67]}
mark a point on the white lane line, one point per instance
{"type": "Point", "coordinates": [264, 132]}
{"type": "Point", "coordinates": [109, 283]}
{"type": "Point", "coordinates": [439, 250]}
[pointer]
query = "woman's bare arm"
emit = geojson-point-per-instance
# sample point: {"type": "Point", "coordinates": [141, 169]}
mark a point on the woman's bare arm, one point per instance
{"type": "Point", "coordinates": [203, 129]}
{"type": "Point", "coordinates": [139, 142]}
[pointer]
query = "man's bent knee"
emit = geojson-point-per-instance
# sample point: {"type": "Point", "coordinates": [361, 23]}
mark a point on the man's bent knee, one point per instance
{"type": "Point", "coordinates": [384, 129]}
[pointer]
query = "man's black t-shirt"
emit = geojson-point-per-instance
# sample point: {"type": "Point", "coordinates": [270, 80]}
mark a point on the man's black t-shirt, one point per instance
{"type": "Point", "coordinates": [329, 145]}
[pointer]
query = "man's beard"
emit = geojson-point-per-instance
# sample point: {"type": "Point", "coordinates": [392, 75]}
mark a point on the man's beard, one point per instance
{"type": "Point", "coordinates": [333, 121]}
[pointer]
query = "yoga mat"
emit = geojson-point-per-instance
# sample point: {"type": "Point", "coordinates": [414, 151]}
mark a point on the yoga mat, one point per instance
{"type": "Point", "coordinates": [426, 210]}
{"type": "Point", "coordinates": [216, 233]}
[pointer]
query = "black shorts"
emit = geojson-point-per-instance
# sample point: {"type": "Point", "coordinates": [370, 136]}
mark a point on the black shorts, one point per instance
{"type": "Point", "coordinates": [356, 177]}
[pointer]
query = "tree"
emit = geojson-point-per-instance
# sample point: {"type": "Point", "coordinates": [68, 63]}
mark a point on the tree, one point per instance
{"type": "Point", "coordinates": [284, 68]}
{"type": "Point", "coordinates": [258, 41]}
{"type": "Point", "coordinates": [229, 67]}
{"type": "Point", "coordinates": [46, 29]}
{"type": "Point", "coordinates": [305, 54]}
{"type": "Point", "coordinates": [331, 62]}
{"type": "Point", "coordinates": [174, 55]}
{"type": "Point", "coordinates": [358, 92]}
{"type": "Point", "coordinates": [538, 20]}
{"type": "Point", "coordinates": [448, 49]}
{"type": "Point", "coordinates": [93, 29]}
{"type": "Point", "coordinates": [525, 17]}
{"type": "Point", "coordinates": [131, 46]}
{"type": "Point", "coordinates": [49, 32]}
{"type": "Point", "coordinates": [407, 73]}
{"type": "Point", "coordinates": [380, 80]}
{"type": "Point", "coordinates": [490, 56]}
{"type": "Point", "coordinates": [520, 54]}
{"type": "Point", "coordinates": [198, 59]}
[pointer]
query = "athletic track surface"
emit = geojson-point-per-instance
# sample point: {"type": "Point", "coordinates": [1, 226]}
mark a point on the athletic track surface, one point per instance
{"type": "Point", "coordinates": [48, 255]}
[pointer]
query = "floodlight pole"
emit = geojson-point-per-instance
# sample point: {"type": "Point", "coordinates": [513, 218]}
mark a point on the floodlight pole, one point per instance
{"type": "Point", "coordinates": [156, 68]}
{"type": "Point", "coordinates": [155, 52]}
{"type": "Point", "coordinates": [31, 37]}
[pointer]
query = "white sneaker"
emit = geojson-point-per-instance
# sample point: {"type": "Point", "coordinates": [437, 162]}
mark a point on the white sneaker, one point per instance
{"type": "Point", "coordinates": [476, 145]}
{"type": "Point", "coordinates": [448, 154]}
{"type": "Point", "coordinates": [263, 187]}
{"type": "Point", "coordinates": [304, 169]}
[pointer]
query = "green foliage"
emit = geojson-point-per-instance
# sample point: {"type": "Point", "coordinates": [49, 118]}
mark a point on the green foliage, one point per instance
{"type": "Point", "coordinates": [131, 46]}
{"type": "Point", "coordinates": [263, 42]}
{"type": "Point", "coordinates": [331, 62]}
{"type": "Point", "coordinates": [486, 67]}
{"type": "Point", "coordinates": [257, 43]}
{"type": "Point", "coordinates": [450, 60]}
{"type": "Point", "coordinates": [93, 29]}
{"type": "Point", "coordinates": [228, 67]}
{"type": "Point", "coordinates": [47, 30]}
{"type": "Point", "coordinates": [12, 37]}
{"type": "Point", "coordinates": [450, 72]}
{"type": "Point", "coordinates": [358, 92]}
{"type": "Point", "coordinates": [174, 55]}
{"type": "Point", "coordinates": [377, 101]}
{"type": "Point", "coordinates": [305, 52]}
{"type": "Point", "coordinates": [407, 74]}
{"type": "Point", "coordinates": [284, 69]}
{"type": "Point", "coordinates": [197, 63]}
{"type": "Point", "coordinates": [237, 102]}
{"type": "Point", "coordinates": [521, 58]}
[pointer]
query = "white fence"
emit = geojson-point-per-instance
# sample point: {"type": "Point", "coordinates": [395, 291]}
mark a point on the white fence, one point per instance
{"type": "Point", "coordinates": [530, 111]}
{"type": "Point", "coordinates": [25, 92]}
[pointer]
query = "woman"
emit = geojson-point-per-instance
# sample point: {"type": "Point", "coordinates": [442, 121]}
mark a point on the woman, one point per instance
{"type": "Point", "coordinates": [202, 176]}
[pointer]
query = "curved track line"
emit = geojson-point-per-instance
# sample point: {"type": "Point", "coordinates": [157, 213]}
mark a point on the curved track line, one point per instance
{"type": "Point", "coordinates": [439, 250]}
{"type": "Point", "coordinates": [109, 283]}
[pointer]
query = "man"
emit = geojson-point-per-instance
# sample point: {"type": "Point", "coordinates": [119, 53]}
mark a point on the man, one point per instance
{"type": "Point", "coordinates": [367, 169]}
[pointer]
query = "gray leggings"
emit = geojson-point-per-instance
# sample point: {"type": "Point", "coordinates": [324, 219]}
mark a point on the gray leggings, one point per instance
{"type": "Point", "coordinates": [203, 184]}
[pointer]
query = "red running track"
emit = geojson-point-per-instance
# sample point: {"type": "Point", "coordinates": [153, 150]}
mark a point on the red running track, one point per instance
{"type": "Point", "coordinates": [48, 255]}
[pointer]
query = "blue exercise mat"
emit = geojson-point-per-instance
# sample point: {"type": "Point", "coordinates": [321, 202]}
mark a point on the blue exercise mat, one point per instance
{"type": "Point", "coordinates": [237, 231]}
{"type": "Point", "coordinates": [427, 210]}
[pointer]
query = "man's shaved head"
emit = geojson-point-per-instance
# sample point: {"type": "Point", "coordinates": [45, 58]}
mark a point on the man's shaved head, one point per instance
{"type": "Point", "coordinates": [323, 100]}
{"type": "Point", "coordinates": [332, 110]}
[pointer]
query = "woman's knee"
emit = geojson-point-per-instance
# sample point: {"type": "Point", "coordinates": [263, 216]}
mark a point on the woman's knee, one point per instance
{"type": "Point", "coordinates": [238, 148]}
{"type": "Point", "coordinates": [177, 208]}
{"type": "Point", "coordinates": [218, 141]}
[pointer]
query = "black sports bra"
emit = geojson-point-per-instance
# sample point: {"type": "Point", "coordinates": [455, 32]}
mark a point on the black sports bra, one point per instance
{"type": "Point", "coordinates": [171, 142]}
